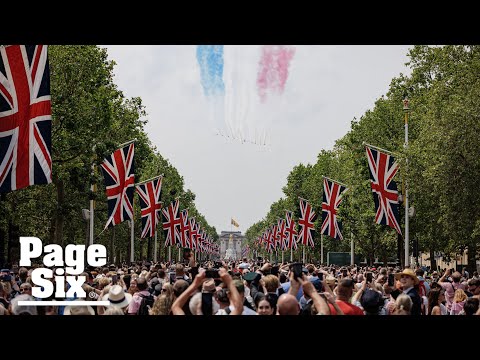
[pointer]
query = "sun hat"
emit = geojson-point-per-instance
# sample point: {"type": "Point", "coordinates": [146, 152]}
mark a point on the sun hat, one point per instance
{"type": "Point", "coordinates": [117, 297]}
{"type": "Point", "coordinates": [408, 272]}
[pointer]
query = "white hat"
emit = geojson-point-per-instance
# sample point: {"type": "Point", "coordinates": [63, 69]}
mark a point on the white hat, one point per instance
{"type": "Point", "coordinates": [78, 309]}
{"type": "Point", "coordinates": [117, 297]}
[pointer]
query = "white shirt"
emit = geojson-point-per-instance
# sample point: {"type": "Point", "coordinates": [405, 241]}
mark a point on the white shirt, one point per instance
{"type": "Point", "coordinates": [246, 311]}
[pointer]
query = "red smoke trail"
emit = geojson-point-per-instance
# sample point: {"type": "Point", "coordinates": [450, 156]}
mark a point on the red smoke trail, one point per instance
{"type": "Point", "coordinates": [273, 69]}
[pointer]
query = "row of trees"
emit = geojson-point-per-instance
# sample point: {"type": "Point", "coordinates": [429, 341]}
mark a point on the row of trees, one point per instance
{"type": "Point", "coordinates": [443, 162]}
{"type": "Point", "coordinates": [87, 109]}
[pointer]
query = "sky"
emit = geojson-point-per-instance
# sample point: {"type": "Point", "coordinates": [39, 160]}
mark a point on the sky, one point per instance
{"type": "Point", "coordinates": [325, 88]}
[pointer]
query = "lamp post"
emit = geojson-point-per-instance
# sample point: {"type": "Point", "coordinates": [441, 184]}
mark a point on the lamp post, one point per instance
{"type": "Point", "coordinates": [406, 109]}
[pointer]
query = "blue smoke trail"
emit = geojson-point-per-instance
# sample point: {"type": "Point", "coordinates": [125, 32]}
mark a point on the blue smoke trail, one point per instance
{"type": "Point", "coordinates": [210, 60]}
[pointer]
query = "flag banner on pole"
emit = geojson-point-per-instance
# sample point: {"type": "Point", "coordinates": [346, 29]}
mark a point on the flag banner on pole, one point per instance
{"type": "Point", "coordinates": [245, 250]}
{"type": "Point", "coordinates": [332, 197]}
{"type": "Point", "coordinates": [306, 223]}
{"type": "Point", "coordinates": [119, 177]}
{"type": "Point", "coordinates": [171, 223]}
{"type": "Point", "coordinates": [192, 232]}
{"type": "Point", "coordinates": [282, 234]}
{"type": "Point", "coordinates": [184, 236]}
{"type": "Point", "coordinates": [234, 223]}
{"type": "Point", "coordinates": [275, 237]}
{"type": "Point", "coordinates": [290, 231]}
{"type": "Point", "coordinates": [25, 117]}
{"type": "Point", "coordinates": [269, 242]}
{"type": "Point", "coordinates": [383, 168]}
{"type": "Point", "coordinates": [149, 194]}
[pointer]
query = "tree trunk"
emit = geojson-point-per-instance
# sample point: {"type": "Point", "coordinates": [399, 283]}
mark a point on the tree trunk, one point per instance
{"type": "Point", "coordinates": [433, 260]}
{"type": "Point", "coordinates": [60, 219]}
{"type": "Point", "coordinates": [472, 261]}
{"type": "Point", "coordinates": [51, 237]}
{"type": "Point", "coordinates": [13, 251]}
{"type": "Point", "coordinates": [149, 249]}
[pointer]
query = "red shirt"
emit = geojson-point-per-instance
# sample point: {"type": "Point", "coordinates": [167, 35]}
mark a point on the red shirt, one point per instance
{"type": "Point", "coordinates": [347, 308]}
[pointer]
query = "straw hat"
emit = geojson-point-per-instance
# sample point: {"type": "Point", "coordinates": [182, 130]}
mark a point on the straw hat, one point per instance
{"type": "Point", "coordinates": [408, 272]}
{"type": "Point", "coordinates": [78, 309]}
{"type": "Point", "coordinates": [117, 297]}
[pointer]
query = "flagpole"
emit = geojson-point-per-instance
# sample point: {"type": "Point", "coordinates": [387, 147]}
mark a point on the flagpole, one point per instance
{"type": "Point", "coordinates": [170, 254]}
{"type": "Point", "coordinates": [335, 181]}
{"type": "Point", "coordinates": [92, 205]}
{"type": "Point", "coordinates": [321, 249]}
{"type": "Point", "coordinates": [407, 237]}
{"type": "Point", "coordinates": [92, 189]}
{"type": "Point", "coordinates": [291, 254]}
{"type": "Point", "coordinates": [143, 182]}
{"type": "Point", "coordinates": [155, 251]}
{"type": "Point", "coordinates": [379, 149]}
{"type": "Point", "coordinates": [352, 257]}
{"type": "Point", "coordinates": [304, 254]}
{"type": "Point", "coordinates": [131, 238]}
{"type": "Point", "coordinates": [127, 143]}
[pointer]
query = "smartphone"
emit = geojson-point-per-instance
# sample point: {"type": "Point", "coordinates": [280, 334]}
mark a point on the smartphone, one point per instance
{"type": "Point", "coordinates": [207, 303]}
{"type": "Point", "coordinates": [212, 273]}
{"type": "Point", "coordinates": [172, 277]}
{"type": "Point", "coordinates": [320, 276]}
{"type": "Point", "coordinates": [275, 270]}
{"type": "Point", "coordinates": [114, 279]}
{"type": "Point", "coordinates": [391, 279]}
{"type": "Point", "coordinates": [297, 270]}
{"type": "Point", "coordinates": [344, 272]}
{"type": "Point", "coordinates": [218, 264]}
{"type": "Point", "coordinates": [369, 277]}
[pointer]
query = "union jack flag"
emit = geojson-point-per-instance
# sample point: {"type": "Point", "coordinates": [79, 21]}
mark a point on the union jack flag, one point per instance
{"type": "Point", "coordinates": [245, 251]}
{"type": "Point", "coordinates": [171, 223]}
{"type": "Point", "coordinates": [282, 234]}
{"type": "Point", "coordinates": [383, 168]}
{"type": "Point", "coordinates": [290, 231]}
{"type": "Point", "coordinates": [25, 117]}
{"type": "Point", "coordinates": [193, 232]}
{"type": "Point", "coordinates": [332, 197]}
{"type": "Point", "coordinates": [269, 244]}
{"type": "Point", "coordinates": [150, 205]}
{"type": "Point", "coordinates": [184, 236]}
{"type": "Point", "coordinates": [306, 223]}
{"type": "Point", "coordinates": [119, 176]}
{"type": "Point", "coordinates": [275, 237]}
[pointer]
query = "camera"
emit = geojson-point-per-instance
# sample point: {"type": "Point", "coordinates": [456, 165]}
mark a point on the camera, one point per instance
{"type": "Point", "coordinates": [369, 277]}
{"type": "Point", "coordinates": [297, 270]}
{"type": "Point", "coordinates": [391, 279]}
{"type": "Point", "coordinates": [212, 273]}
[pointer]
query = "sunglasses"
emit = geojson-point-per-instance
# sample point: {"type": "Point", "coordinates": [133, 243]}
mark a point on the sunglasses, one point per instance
{"type": "Point", "coordinates": [24, 289]}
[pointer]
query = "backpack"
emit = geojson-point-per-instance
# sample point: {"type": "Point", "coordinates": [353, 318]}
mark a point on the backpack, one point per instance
{"type": "Point", "coordinates": [422, 290]}
{"type": "Point", "coordinates": [146, 304]}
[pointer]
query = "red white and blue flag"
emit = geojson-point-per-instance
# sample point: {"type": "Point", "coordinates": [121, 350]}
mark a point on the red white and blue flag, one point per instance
{"type": "Point", "coordinates": [383, 168]}
{"type": "Point", "coordinates": [25, 117]}
{"type": "Point", "coordinates": [171, 223]}
{"type": "Point", "coordinates": [282, 235]}
{"type": "Point", "coordinates": [119, 176]}
{"type": "Point", "coordinates": [193, 233]}
{"type": "Point", "coordinates": [150, 205]}
{"type": "Point", "coordinates": [290, 231]}
{"type": "Point", "coordinates": [332, 197]}
{"type": "Point", "coordinates": [184, 236]}
{"type": "Point", "coordinates": [306, 223]}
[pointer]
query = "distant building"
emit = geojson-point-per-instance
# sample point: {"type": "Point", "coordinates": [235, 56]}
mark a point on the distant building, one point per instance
{"type": "Point", "coordinates": [233, 240]}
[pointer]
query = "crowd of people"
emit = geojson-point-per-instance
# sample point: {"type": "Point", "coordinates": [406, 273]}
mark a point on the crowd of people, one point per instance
{"type": "Point", "coordinates": [252, 287]}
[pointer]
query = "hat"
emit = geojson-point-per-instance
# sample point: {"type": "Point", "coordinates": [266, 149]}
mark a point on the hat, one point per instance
{"type": "Point", "coordinates": [24, 309]}
{"type": "Point", "coordinates": [250, 276]}
{"type": "Point", "coordinates": [330, 280]}
{"type": "Point", "coordinates": [305, 270]}
{"type": "Point", "coordinates": [117, 297]}
{"type": "Point", "coordinates": [158, 289]}
{"type": "Point", "coordinates": [208, 286]}
{"type": "Point", "coordinates": [78, 309]}
{"type": "Point", "coordinates": [243, 266]}
{"type": "Point", "coordinates": [408, 272]}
